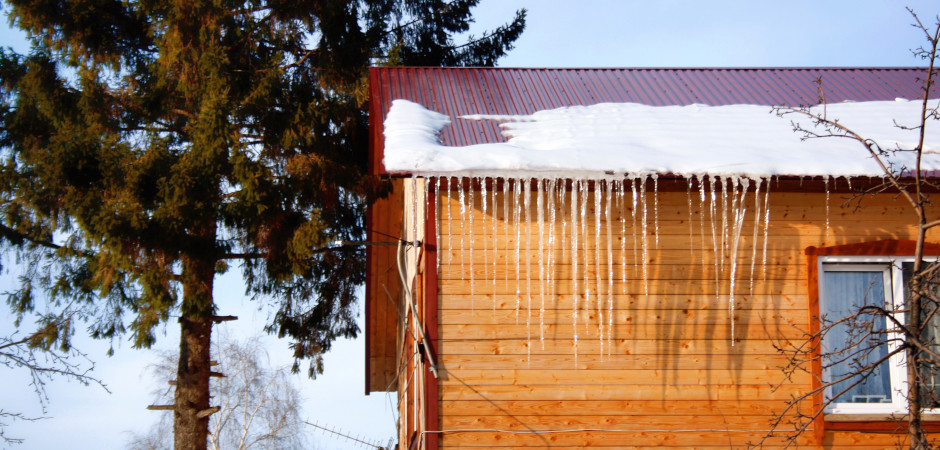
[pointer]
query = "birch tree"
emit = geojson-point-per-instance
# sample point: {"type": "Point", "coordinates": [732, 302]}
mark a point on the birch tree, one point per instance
{"type": "Point", "coordinates": [916, 337]}
{"type": "Point", "coordinates": [259, 405]}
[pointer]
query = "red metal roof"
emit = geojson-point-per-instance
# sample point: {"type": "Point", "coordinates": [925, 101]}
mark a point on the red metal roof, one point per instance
{"type": "Point", "coordinates": [461, 91]}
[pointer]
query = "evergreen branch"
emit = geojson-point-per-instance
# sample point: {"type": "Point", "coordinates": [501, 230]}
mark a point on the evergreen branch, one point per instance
{"type": "Point", "coordinates": [182, 112]}
{"type": "Point", "coordinates": [342, 245]}
{"type": "Point", "coordinates": [243, 11]}
{"type": "Point", "coordinates": [243, 255]}
{"type": "Point", "coordinates": [302, 59]}
{"type": "Point", "coordinates": [17, 236]}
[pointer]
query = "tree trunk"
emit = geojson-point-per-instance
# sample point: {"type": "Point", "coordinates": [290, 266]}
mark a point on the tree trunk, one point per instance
{"type": "Point", "coordinates": [192, 384]}
{"type": "Point", "coordinates": [915, 429]}
{"type": "Point", "coordinates": [191, 429]}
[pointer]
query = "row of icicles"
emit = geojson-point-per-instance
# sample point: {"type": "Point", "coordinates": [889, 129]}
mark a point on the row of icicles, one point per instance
{"type": "Point", "coordinates": [564, 227]}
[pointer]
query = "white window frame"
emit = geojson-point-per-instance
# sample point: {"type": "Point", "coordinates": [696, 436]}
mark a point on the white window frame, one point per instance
{"type": "Point", "coordinates": [894, 292]}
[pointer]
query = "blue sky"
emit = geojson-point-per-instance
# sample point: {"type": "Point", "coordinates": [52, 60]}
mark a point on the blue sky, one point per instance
{"type": "Point", "coordinates": [586, 33]}
{"type": "Point", "coordinates": [725, 33]}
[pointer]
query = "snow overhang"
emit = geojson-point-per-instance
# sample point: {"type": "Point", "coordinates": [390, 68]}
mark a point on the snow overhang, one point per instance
{"type": "Point", "coordinates": [630, 139]}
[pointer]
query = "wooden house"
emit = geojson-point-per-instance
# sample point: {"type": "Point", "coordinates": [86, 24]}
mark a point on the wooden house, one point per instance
{"type": "Point", "coordinates": [520, 302]}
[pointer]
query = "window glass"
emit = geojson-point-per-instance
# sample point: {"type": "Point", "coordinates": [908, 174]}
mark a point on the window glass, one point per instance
{"type": "Point", "coordinates": [930, 336]}
{"type": "Point", "coordinates": [845, 292]}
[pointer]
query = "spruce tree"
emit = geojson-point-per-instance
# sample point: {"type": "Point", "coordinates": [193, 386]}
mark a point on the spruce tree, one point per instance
{"type": "Point", "coordinates": [146, 146]}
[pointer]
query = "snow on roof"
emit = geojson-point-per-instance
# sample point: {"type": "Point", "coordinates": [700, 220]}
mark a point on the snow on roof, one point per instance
{"type": "Point", "coordinates": [628, 138]}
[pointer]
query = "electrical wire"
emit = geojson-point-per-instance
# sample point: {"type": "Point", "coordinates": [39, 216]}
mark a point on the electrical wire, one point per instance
{"type": "Point", "coordinates": [414, 309]}
{"type": "Point", "coordinates": [580, 430]}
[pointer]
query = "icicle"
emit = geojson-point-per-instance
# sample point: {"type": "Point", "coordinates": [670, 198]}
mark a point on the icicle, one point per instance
{"type": "Point", "coordinates": [713, 215]}
{"type": "Point", "coordinates": [506, 219]}
{"type": "Point", "coordinates": [527, 219]}
{"type": "Point", "coordinates": [621, 204]}
{"type": "Point", "coordinates": [724, 222]}
{"type": "Point", "coordinates": [575, 191]}
{"type": "Point", "coordinates": [414, 208]}
{"type": "Point", "coordinates": [540, 218]}
{"type": "Point", "coordinates": [486, 254]}
{"type": "Point", "coordinates": [587, 261]}
{"type": "Point", "coordinates": [610, 265]}
{"type": "Point", "coordinates": [645, 262]}
{"type": "Point", "coordinates": [738, 216]}
{"type": "Point", "coordinates": [427, 187]}
{"type": "Point", "coordinates": [826, 181]}
{"type": "Point", "coordinates": [766, 229]}
{"type": "Point", "coordinates": [702, 180]}
{"type": "Point", "coordinates": [517, 211]}
{"type": "Point", "coordinates": [597, 264]}
{"type": "Point", "coordinates": [636, 245]}
{"type": "Point", "coordinates": [469, 235]}
{"type": "Point", "coordinates": [495, 239]}
{"type": "Point", "coordinates": [450, 224]}
{"type": "Point", "coordinates": [437, 220]}
{"type": "Point", "coordinates": [655, 177]}
{"type": "Point", "coordinates": [688, 196]}
{"type": "Point", "coordinates": [562, 205]}
{"type": "Point", "coordinates": [550, 267]}
{"type": "Point", "coordinates": [757, 184]}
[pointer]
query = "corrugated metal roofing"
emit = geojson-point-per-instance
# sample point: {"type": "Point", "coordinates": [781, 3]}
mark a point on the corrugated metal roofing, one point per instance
{"type": "Point", "coordinates": [462, 91]}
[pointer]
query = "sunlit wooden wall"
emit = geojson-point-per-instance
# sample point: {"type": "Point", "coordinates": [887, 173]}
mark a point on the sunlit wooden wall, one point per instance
{"type": "Point", "coordinates": [677, 368]}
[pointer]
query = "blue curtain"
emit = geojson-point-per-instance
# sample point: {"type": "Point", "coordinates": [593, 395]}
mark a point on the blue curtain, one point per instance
{"type": "Point", "coordinates": [845, 293]}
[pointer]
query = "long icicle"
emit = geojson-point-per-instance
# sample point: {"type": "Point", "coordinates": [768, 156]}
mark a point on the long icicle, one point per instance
{"type": "Point", "coordinates": [437, 220]}
{"type": "Point", "coordinates": [766, 230]}
{"type": "Point", "coordinates": [621, 204]}
{"type": "Point", "coordinates": [645, 262]}
{"type": "Point", "coordinates": [826, 179]}
{"type": "Point", "coordinates": [540, 218]}
{"type": "Point", "coordinates": [517, 206]}
{"type": "Point", "coordinates": [450, 224]}
{"type": "Point", "coordinates": [597, 264]}
{"type": "Point", "coordinates": [550, 268]}
{"type": "Point", "coordinates": [587, 260]}
{"type": "Point", "coordinates": [724, 223]}
{"type": "Point", "coordinates": [636, 245]}
{"type": "Point", "coordinates": [610, 267]}
{"type": "Point", "coordinates": [414, 207]}
{"type": "Point", "coordinates": [702, 180]}
{"type": "Point", "coordinates": [483, 207]}
{"type": "Point", "coordinates": [575, 190]}
{"type": "Point", "coordinates": [688, 196]}
{"type": "Point", "coordinates": [711, 209]}
{"type": "Point", "coordinates": [527, 215]}
{"type": "Point", "coordinates": [461, 198]}
{"type": "Point", "coordinates": [495, 238]}
{"type": "Point", "coordinates": [655, 177]}
{"type": "Point", "coordinates": [506, 219]}
{"type": "Point", "coordinates": [739, 211]}
{"type": "Point", "coordinates": [757, 184]}
{"type": "Point", "coordinates": [468, 233]}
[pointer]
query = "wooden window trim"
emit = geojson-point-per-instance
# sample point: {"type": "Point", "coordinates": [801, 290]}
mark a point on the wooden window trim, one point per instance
{"type": "Point", "coordinates": [888, 247]}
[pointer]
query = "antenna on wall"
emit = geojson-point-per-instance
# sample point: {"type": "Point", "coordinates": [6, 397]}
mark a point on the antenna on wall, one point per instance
{"type": "Point", "coordinates": [357, 439]}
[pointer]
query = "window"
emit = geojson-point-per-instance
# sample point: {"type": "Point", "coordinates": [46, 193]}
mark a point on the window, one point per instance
{"type": "Point", "coordinates": [854, 340]}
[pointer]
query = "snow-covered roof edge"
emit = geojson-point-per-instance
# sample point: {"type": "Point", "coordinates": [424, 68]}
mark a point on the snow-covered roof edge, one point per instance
{"type": "Point", "coordinates": [616, 139]}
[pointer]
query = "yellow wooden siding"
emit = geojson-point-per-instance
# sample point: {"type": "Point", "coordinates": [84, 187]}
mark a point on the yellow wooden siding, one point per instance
{"type": "Point", "coordinates": [383, 323]}
{"type": "Point", "coordinates": [669, 372]}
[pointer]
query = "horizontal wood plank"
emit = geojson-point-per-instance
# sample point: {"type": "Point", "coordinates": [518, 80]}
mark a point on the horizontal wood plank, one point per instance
{"type": "Point", "coordinates": [587, 362]}
{"type": "Point", "coordinates": [658, 302]}
{"type": "Point", "coordinates": [566, 376]}
{"type": "Point", "coordinates": [676, 347]}
{"type": "Point", "coordinates": [589, 327]}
